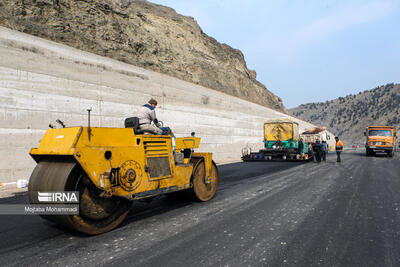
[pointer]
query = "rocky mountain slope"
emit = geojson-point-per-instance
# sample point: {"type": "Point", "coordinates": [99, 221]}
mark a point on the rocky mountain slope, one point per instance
{"type": "Point", "coordinates": [348, 116]}
{"type": "Point", "coordinates": [143, 34]}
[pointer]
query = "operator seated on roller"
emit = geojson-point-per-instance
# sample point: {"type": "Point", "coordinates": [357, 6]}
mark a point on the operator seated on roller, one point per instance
{"type": "Point", "coordinates": [147, 115]}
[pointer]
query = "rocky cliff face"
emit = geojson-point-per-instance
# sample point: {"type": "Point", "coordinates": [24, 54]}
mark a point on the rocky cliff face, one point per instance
{"type": "Point", "coordinates": [348, 116]}
{"type": "Point", "coordinates": [143, 34]}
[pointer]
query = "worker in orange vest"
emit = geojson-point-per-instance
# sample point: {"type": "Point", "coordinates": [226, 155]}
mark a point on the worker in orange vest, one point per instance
{"type": "Point", "coordinates": [339, 148]}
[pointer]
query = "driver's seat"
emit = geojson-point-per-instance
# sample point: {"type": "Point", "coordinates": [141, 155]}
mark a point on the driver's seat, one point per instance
{"type": "Point", "coordinates": [133, 122]}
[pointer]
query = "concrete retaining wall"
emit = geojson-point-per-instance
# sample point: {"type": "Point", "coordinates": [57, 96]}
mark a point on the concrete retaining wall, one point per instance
{"type": "Point", "coordinates": [41, 81]}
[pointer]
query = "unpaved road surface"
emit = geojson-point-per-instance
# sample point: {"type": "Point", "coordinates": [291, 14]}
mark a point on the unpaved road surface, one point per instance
{"type": "Point", "coordinates": [264, 214]}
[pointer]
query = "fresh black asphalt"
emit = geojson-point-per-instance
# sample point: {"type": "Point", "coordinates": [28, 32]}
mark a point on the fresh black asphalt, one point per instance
{"type": "Point", "coordinates": [264, 214]}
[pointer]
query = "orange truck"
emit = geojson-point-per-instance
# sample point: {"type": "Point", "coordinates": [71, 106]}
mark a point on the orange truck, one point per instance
{"type": "Point", "coordinates": [380, 139]}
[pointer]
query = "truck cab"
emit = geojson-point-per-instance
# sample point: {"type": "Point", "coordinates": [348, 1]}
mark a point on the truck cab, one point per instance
{"type": "Point", "coordinates": [380, 139]}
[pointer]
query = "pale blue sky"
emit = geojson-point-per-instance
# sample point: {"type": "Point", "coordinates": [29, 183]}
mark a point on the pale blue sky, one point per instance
{"type": "Point", "coordinates": [307, 50]}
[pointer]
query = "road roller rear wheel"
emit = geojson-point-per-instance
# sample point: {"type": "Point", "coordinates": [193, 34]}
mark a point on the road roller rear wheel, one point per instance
{"type": "Point", "coordinates": [96, 214]}
{"type": "Point", "coordinates": [204, 189]}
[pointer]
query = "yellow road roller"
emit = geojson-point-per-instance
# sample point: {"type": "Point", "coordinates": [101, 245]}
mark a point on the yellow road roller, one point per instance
{"type": "Point", "coordinates": [111, 167]}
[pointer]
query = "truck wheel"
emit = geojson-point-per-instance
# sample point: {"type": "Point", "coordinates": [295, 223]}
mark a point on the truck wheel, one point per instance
{"type": "Point", "coordinates": [390, 154]}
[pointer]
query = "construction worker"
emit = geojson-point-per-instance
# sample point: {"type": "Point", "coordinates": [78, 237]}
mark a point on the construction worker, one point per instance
{"type": "Point", "coordinates": [339, 148]}
{"type": "Point", "coordinates": [311, 151]}
{"type": "Point", "coordinates": [324, 150]}
{"type": "Point", "coordinates": [317, 150]}
{"type": "Point", "coordinates": [301, 147]}
{"type": "Point", "coordinates": [147, 115]}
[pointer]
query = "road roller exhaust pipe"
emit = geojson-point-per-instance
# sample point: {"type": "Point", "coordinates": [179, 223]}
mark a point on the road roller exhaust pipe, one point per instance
{"type": "Point", "coordinates": [89, 109]}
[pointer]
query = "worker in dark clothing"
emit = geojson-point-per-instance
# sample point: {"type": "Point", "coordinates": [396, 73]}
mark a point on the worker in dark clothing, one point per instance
{"type": "Point", "coordinates": [339, 148]}
{"type": "Point", "coordinates": [301, 146]}
{"type": "Point", "coordinates": [317, 151]}
{"type": "Point", "coordinates": [310, 150]}
{"type": "Point", "coordinates": [324, 150]}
